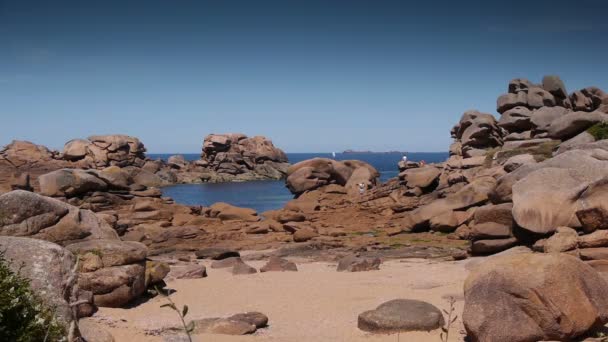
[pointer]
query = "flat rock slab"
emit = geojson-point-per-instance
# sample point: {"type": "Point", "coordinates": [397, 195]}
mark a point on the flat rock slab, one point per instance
{"type": "Point", "coordinates": [401, 315]}
{"type": "Point", "coordinates": [216, 253]}
{"type": "Point", "coordinates": [226, 263]}
{"type": "Point", "coordinates": [352, 263]}
{"type": "Point", "coordinates": [256, 318]}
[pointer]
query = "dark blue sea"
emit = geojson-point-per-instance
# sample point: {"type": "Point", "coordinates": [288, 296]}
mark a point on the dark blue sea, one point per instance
{"type": "Point", "coordinates": [268, 195]}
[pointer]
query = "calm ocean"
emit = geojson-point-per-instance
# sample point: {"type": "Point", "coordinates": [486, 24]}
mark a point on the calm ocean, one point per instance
{"type": "Point", "coordinates": [267, 195]}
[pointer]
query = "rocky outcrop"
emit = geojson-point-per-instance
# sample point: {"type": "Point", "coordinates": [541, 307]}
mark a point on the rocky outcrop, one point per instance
{"type": "Point", "coordinates": [314, 173]}
{"type": "Point", "coordinates": [101, 151]}
{"type": "Point", "coordinates": [235, 154]}
{"type": "Point", "coordinates": [524, 297]}
{"type": "Point", "coordinates": [28, 214]}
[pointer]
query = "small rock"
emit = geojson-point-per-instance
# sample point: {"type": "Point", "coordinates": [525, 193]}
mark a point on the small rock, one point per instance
{"type": "Point", "coordinates": [459, 255]}
{"type": "Point", "coordinates": [278, 264]}
{"type": "Point", "coordinates": [156, 271]}
{"type": "Point", "coordinates": [353, 263]}
{"type": "Point", "coordinates": [223, 326]}
{"type": "Point", "coordinates": [563, 240]}
{"type": "Point", "coordinates": [93, 332]}
{"type": "Point", "coordinates": [242, 268]}
{"type": "Point", "coordinates": [401, 315]}
{"type": "Point", "coordinates": [189, 272]}
{"type": "Point", "coordinates": [226, 263]}
{"type": "Point", "coordinates": [216, 253]}
{"type": "Point", "coordinates": [255, 318]}
{"type": "Point", "coordinates": [303, 235]}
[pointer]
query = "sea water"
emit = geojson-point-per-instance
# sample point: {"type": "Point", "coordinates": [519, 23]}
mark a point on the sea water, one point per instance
{"type": "Point", "coordinates": [268, 195]}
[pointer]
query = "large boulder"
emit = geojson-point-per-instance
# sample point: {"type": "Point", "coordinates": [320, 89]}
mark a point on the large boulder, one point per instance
{"type": "Point", "coordinates": [48, 266]}
{"type": "Point", "coordinates": [571, 124]}
{"type": "Point", "coordinates": [420, 177]}
{"type": "Point", "coordinates": [473, 194]}
{"type": "Point", "coordinates": [509, 101]}
{"type": "Point", "coordinates": [113, 270]}
{"type": "Point", "coordinates": [477, 130]}
{"type": "Point", "coordinates": [70, 183]}
{"type": "Point", "coordinates": [314, 173]}
{"type": "Point", "coordinates": [534, 297]}
{"type": "Point", "coordinates": [235, 154]}
{"type": "Point", "coordinates": [587, 99]}
{"type": "Point", "coordinates": [591, 162]}
{"type": "Point", "coordinates": [543, 117]}
{"type": "Point", "coordinates": [547, 195]}
{"type": "Point", "coordinates": [227, 212]}
{"type": "Point", "coordinates": [554, 85]}
{"type": "Point", "coordinates": [28, 214]}
{"type": "Point", "coordinates": [516, 120]}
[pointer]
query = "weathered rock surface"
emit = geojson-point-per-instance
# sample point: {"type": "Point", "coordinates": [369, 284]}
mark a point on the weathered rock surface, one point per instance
{"type": "Point", "coordinates": [401, 315]}
{"type": "Point", "coordinates": [277, 264]}
{"type": "Point", "coordinates": [227, 212]}
{"type": "Point", "coordinates": [563, 240]}
{"type": "Point", "coordinates": [314, 173]}
{"type": "Point", "coordinates": [114, 271]}
{"type": "Point", "coordinates": [524, 297]}
{"type": "Point", "coordinates": [241, 268]}
{"type": "Point", "coordinates": [353, 263]}
{"type": "Point", "coordinates": [188, 272]}
{"type": "Point", "coordinates": [28, 214]}
{"type": "Point", "coordinates": [48, 266]}
{"type": "Point", "coordinates": [216, 253]}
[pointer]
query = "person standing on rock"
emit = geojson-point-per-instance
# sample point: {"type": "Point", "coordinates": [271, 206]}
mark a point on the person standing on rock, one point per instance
{"type": "Point", "coordinates": [362, 188]}
{"type": "Point", "coordinates": [404, 158]}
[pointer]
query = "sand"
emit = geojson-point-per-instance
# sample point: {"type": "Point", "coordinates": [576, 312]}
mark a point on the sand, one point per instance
{"type": "Point", "coordinates": [314, 304]}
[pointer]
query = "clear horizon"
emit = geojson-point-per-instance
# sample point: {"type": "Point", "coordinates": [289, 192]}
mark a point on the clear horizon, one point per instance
{"type": "Point", "coordinates": [311, 76]}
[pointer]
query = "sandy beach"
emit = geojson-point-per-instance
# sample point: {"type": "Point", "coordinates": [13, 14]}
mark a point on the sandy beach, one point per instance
{"type": "Point", "coordinates": [314, 304]}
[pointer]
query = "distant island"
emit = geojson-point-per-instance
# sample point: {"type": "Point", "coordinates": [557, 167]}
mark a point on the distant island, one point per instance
{"type": "Point", "coordinates": [359, 152]}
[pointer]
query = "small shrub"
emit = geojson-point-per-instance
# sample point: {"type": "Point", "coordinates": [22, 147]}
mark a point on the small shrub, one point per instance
{"type": "Point", "coordinates": [23, 315]}
{"type": "Point", "coordinates": [599, 131]}
{"type": "Point", "coordinates": [450, 318]}
{"type": "Point", "coordinates": [188, 328]}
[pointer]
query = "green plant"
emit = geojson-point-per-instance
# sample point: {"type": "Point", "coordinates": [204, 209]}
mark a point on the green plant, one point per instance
{"type": "Point", "coordinates": [188, 328]}
{"type": "Point", "coordinates": [445, 333]}
{"type": "Point", "coordinates": [599, 131]}
{"type": "Point", "coordinates": [24, 317]}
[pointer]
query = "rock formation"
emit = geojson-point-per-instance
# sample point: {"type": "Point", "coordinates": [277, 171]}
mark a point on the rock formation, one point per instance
{"type": "Point", "coordinates": [236, 155]}
{"type": "Point", "coordinates": [100, 151]}
{"type": "Point", "coordinates": [225, 158]}
{"type": "Point", "coordinates": [318, 172]}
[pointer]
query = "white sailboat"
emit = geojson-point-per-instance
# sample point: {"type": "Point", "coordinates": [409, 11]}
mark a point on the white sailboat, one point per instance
{"type": "Point", "coordinates": [333, 154]}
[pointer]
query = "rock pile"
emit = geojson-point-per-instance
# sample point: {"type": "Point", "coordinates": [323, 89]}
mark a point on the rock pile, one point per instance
{"type": "Point", "coordinates": [236, 154]}
{"type": "Point", "coordinates": [225, 158]}
{"type": "Point", "coordinates": [101, 151]}
{"type": "Point", "coordinates": [507, 182]}
{"type": "Point", "coordinates": [318, 172]}
{"type": "Point", "coordinates": [112, 271]}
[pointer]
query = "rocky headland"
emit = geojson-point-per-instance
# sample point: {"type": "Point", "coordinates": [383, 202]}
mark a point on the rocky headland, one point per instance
{"type": "Point", "coordinates": [528, 187]}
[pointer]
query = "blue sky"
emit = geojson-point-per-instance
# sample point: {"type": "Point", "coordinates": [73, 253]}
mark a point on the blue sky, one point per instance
{"type": "Point", "coordinates": [312, 75]}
